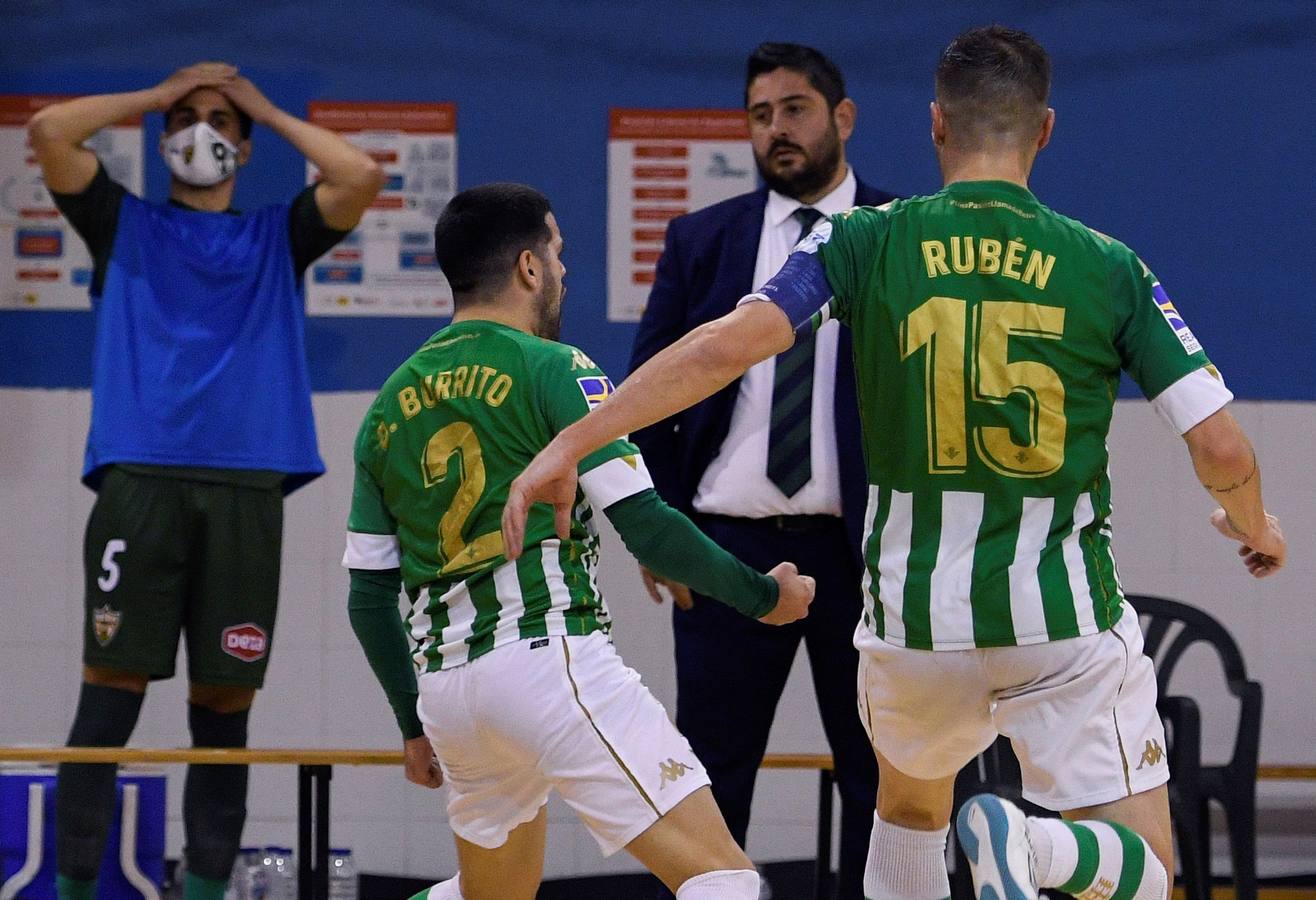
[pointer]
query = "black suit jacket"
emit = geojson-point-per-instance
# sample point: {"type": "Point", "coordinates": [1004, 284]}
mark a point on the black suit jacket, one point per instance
{"type": "Point", "coordinates": [706, 266]}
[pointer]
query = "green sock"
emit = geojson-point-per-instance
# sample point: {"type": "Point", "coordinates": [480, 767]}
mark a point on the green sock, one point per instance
{"type": "Point", "coordinates": [197, 888]}
{"type": "Point", "coordinates": [72, 889]}
{"type": "Point", "coordinates": [1096, 860]}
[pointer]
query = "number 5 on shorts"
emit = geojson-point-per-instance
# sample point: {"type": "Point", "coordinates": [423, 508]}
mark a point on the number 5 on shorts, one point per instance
{"type": "Point", "coordinates": [108, 581]}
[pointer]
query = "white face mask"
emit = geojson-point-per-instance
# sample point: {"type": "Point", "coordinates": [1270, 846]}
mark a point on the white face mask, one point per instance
{"type": "Point", "coordinates": [199, 155]}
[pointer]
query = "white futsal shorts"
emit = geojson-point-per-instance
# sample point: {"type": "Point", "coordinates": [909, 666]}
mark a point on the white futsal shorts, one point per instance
{"type": "Point", "coordinates": [1080, 713]}
{"type": "Point", "coordinates": [555, 712]}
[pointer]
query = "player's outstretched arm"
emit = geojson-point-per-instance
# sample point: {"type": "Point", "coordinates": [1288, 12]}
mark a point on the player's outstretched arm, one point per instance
{"type": "Point", "coordinates": [697, 366]}
{"type": "Point", "coordinates": [58, 131]}
{"type": "Point", "coordinates": [1227, 466]}
{"type": "Point", "coordinates": [668, 543]}
{"type": "Point", "coordinates": [350, 178]}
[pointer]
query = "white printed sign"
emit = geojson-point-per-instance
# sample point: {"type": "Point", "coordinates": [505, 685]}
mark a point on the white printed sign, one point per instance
{"type": "Point", "coordinates": [43, 262]}
{"type": "Point", "coordinates": [386, 266]}
{"type": "Point", "coordinates": [663, 163]}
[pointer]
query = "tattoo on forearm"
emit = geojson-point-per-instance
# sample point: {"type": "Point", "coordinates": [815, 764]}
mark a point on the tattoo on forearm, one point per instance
{"type": "Point", "coordinates": [1238, 484]}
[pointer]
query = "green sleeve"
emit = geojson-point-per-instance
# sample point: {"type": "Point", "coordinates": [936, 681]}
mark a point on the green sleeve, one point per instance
{"type": "Point", "coordinates": [851, 244]}
{"type": "Point", "coordinates": [372, 606]}
{"type": "Point", "coordinates": [667, 542]}
{"type": "Point", "coordinates": [1155, 344]}
{"type": "Point", "coordinates": [573, 386]}
{"type": "Point", "coordinates": [369, 514]}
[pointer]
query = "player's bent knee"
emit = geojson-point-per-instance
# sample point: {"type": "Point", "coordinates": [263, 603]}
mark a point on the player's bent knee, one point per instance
{"type": "Point", "coordinates": [221, 698]}
{"type": "Point", "coordinates": [912, 815]}
{"type": "Point", "coordinates": [121, 679]}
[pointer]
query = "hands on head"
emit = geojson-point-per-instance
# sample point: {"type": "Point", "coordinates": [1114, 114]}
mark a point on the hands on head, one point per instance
{"type": "Point", "coordinates": [221, 76]}
{"type": "Point", "coordinates": [1263, 553]}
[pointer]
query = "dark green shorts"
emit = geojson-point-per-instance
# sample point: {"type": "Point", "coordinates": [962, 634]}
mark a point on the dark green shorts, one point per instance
{"type": "Point", "coordinates": [165, 555]}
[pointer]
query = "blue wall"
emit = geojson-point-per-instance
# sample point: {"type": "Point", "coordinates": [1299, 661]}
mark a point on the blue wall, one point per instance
{"type": "Point", "coordinates": [1186, 132]}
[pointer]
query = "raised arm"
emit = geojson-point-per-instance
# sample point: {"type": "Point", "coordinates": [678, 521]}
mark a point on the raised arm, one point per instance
{"type": "Point", "coordinates": [58, 131]}
{"type": "Point", "coordinates": [701, 363]}
{"type": "Point", "coordinates": [350, 179]}
{"type": "Point", "coordinates": [1226, 464]}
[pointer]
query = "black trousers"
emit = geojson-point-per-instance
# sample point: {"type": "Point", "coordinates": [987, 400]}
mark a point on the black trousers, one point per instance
{"type": "Point", "coordinates": [730, 672]}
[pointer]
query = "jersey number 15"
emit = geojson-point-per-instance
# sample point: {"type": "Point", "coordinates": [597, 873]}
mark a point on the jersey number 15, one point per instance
{"type": "Point", "coordinates": [939, 327]}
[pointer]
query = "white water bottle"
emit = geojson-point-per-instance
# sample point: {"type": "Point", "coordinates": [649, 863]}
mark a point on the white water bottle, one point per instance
{"type": "Point", "coordinates": [263, 876]}
{"type": "Point", "coordinates": [342, 875]}
{"type": "Point", "coordinates": [283, 875]}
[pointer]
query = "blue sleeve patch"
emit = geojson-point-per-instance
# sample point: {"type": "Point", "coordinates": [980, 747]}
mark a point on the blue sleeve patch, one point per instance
{"type": "Point", "coordinates": [1175, 321]}
{"type": "Point", "coordinates": [800, 288]}
{"type": "Point", "coordinates": [596, 388]}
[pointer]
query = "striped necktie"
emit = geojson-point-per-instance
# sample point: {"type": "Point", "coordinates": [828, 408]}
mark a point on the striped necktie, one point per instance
{"type": "Point", "coordinates": [789, 450]}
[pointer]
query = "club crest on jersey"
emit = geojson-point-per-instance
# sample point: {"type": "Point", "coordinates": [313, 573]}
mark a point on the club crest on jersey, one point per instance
{"type": "Point", "coordinates": [1181, 329]}
{"type": "Point", "coordinates": [247, 642]}
{"type": "Point", "coordinates": [596, 388]}
{"type": "Point", "coordinates": [105, 622]}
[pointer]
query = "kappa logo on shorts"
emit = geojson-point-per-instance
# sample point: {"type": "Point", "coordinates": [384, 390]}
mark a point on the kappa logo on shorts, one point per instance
{"type": "Point", "coordinates": [106, 623]}
{"type": "Point", "coordinates": [1152, 754]}
{"type": "Point", "coordinates": [248, 641]}
{"type": "Point", "coordinates": [671, 771]}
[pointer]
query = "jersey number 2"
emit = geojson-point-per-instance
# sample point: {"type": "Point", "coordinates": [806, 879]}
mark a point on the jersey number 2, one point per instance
{"type": "Point", "coordinates": [458, 440]}
{"type": "Point", "coordinates": [939, 328]}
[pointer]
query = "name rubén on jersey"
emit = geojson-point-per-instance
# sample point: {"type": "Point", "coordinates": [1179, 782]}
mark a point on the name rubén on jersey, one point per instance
{"type": "Point", "coordinates": [988, 256]}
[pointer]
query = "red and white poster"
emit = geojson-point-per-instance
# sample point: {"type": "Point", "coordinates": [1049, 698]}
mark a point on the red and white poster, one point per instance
{"type": "Point", "coordinates": [386, 266]}
{"type": "Point", "coordinates": [663, 163]}
{"type": "Point", "coordinates": [43, 262]}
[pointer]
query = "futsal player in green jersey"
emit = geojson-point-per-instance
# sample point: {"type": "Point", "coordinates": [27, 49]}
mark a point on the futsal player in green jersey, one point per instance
{"type": "Point", "coordinates": [521, 690]}
{"type": "Point", "coordinates": [989, 337]}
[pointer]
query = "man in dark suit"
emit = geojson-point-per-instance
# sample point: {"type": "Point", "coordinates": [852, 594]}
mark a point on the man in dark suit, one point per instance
{"type": "Point", "coordinates": [769, 473]}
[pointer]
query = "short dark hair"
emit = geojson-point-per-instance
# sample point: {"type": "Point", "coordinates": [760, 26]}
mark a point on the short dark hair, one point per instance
{"type": "Point", "coordinates": [993, 80]}
{"type": "Point", "coordinates": [822, 72]}
{"type": "Point", "coordinates": [483, 230]}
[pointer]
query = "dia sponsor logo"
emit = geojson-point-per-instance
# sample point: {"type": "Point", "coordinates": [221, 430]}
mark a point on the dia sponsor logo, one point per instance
{"type": "Point", "coordinates": [248, 641]}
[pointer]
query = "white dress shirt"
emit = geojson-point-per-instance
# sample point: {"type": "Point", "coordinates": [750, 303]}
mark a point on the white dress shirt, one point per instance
{"type": "Point", "coordinates": [736, 481]}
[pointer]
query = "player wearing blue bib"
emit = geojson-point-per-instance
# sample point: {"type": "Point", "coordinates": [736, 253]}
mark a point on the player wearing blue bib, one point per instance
{"type": "Point", "coordinates": [201, 421]}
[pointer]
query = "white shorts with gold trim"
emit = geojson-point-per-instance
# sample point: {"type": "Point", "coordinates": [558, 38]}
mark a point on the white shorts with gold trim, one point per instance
{"type": "Point", "coordinates": [555, 712]}
{"type": "Point", "coordinates": [1080, 713]}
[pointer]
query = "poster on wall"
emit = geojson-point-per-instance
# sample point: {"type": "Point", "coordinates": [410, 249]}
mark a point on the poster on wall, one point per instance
{"type": "Point", "coordinates": [386, 266]}
{"type": "Point", "coordinates": [663, 163]}
{"type": "Point", "coordinates": [43, 262]}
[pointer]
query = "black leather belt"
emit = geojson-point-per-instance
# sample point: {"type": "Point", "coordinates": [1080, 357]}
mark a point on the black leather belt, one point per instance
{"type": "Point", "coordinates": [781, 523]}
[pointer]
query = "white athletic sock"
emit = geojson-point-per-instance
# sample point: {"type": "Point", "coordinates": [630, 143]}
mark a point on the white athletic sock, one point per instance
{"type": "Point", "coordinates": [1095, 858]}
{"type": "Point", "coordinates": [724, 884]}
{"type": "Point", "coordinates": [444, 890]}
{"type": "Point", "coordinates": [906, 863]}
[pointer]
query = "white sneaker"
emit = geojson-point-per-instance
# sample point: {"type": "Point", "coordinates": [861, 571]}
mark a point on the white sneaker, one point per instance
{"type": "Point", "coordinates": [994, 835]}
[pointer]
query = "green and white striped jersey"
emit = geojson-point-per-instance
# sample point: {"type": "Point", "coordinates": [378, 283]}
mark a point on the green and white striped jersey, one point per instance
{"type": "Point", "coordinates": [436, 453]}
{"type": "Point", "coordinates": [989, 335]}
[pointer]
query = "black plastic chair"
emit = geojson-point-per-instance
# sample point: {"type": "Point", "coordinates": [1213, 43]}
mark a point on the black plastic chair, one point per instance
{"type": "Point", "coordinates": [1169, 629]}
